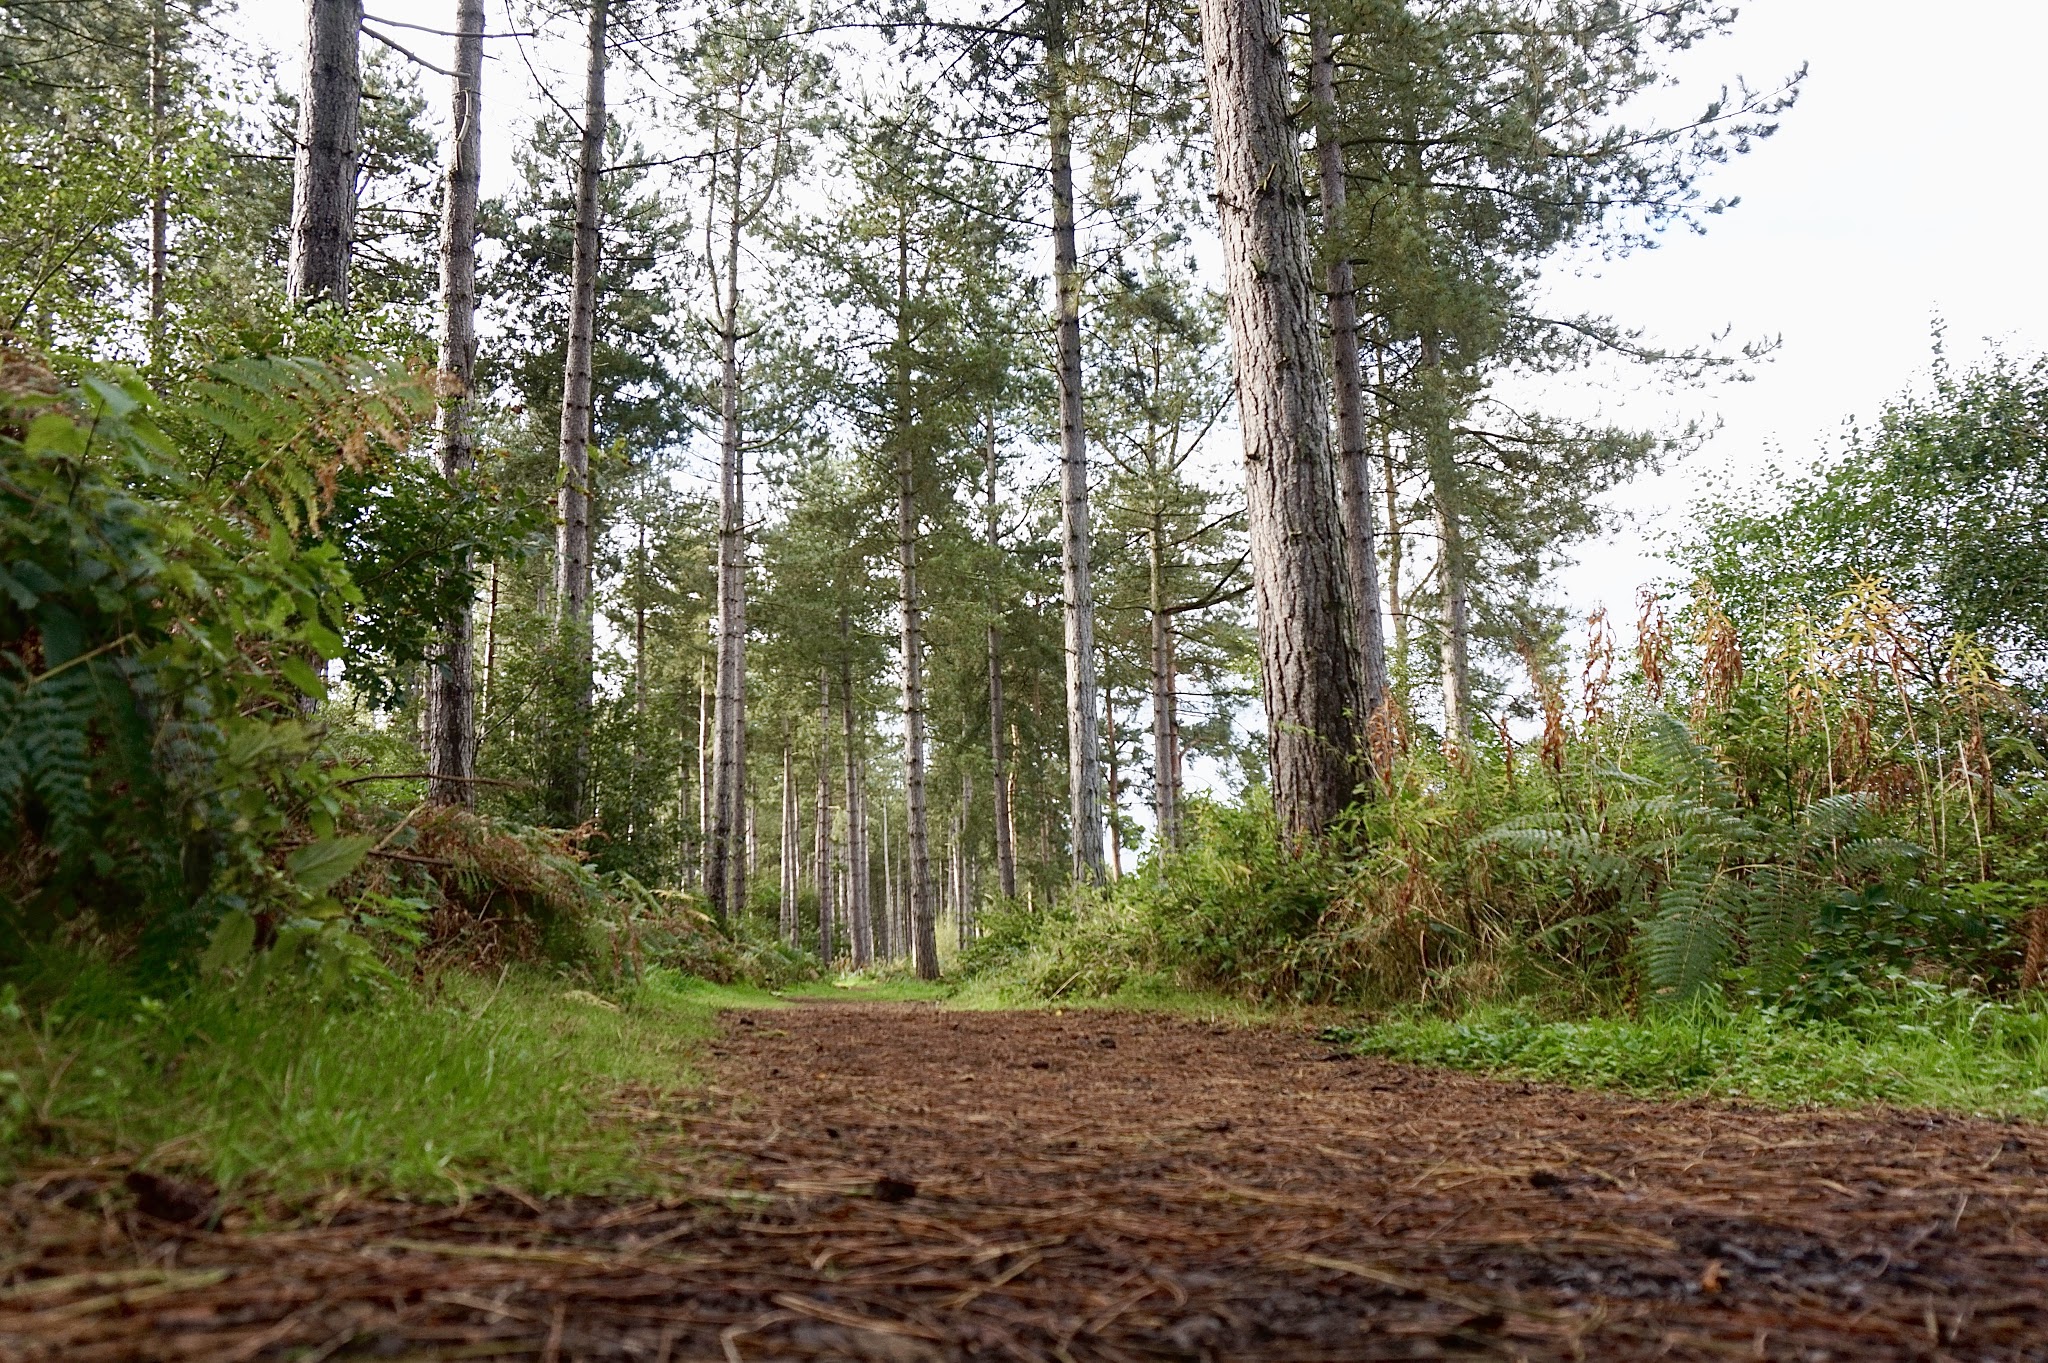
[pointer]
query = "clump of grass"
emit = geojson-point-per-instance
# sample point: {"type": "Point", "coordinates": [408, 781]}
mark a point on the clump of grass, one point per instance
{"type": "Point", "coordinates": [432, 1092]}
{"type": "Point", "coordinates": [1924, 1045]}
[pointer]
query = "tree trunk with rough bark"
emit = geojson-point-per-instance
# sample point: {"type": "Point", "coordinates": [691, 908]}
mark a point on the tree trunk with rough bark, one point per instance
{"type": "Point", "coordinates": [1084, 745]}
{"type": "Point", "coordinates": [1165, 735]}
{"type": "Point", "coordinates": [725, 880]}
{"type": "Point", "coordinates": [1354, 481]}
{"type": "Point", "coordinates": [1308, 655]}
{"type": "Point", "coordinates": [329, 147]}
{"type": "Point", "coordinates": [860, 925]}
{"type": "Point", "coordinates": [572, 508]}
{"type": "Point", "coordinates": [451, 699]}
{"type": "Point", "coordinates": [825, 848]}
{"type": "Point", "coordinates": [159, 182]}
{"type": "Point", "coordinates": [1454, 569]}
{"type": "Point", "coordinates": [787, 919]}
{"type": "Point", "coordinates": [1006, 847]}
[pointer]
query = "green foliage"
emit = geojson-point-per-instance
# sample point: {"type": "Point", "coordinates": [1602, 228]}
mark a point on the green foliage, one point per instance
{"type": "Point", "coordinates": [432, 1092]}
{"type": "Point", "coordinates": [156, 631]}
{"type": "Point", "coordinates": [1912, 1043]}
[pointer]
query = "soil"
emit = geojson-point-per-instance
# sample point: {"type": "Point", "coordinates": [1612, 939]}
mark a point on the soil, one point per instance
{"type": "Point", "coordinates": [895, 1182]}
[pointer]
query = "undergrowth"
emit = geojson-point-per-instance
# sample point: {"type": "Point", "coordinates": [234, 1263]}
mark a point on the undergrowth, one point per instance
{"type": "Point", "coordinates": [434, 1091]}
{"type": "Point", "coordinates": [1920, 1045]}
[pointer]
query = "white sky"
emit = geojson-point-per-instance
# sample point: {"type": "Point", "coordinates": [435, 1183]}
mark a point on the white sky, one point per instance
{"type": "Point", "coordinates": [1906, 184]}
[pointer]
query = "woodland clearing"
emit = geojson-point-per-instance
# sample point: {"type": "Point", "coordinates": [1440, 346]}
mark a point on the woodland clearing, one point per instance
{"type": "Point", "coordinates": [896, 1181]}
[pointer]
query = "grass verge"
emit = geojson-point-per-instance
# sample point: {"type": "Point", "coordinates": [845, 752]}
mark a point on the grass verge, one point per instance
{"type": "Point", "coordinates": [429, 1092]}
{"type": "Point", "coordinates": [1925, 1046]}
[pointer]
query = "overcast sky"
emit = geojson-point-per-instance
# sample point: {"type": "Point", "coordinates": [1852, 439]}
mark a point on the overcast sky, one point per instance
{"type": "Point", "coordinates": [1906, 185]}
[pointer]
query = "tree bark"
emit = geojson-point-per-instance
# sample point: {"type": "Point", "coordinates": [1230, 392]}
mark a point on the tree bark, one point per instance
{"type": "Point", "coordinates": [1454, 571]}
{"type": "Point", "coordinates": [1084, 746]}
{"type": "Point", "coordinates": [451, 702]}
{"type": "Point", "coordinates": [1308, 656]}
{"type": "Point", "coordinates": [825, 851]}
{"type": "Point", "coordinates": [1006, 847]}
{"type": "Point", "coordinates": [329, 146]}
{"type": "Point", "coordinates": [726, 880]}
{"type": "Point", "coordinates": [787, 921]}
{"type": "Point", "coordinates": [1165, 735]}
{"type": "Point", "coordinates": [572, 534]}
{"type": "Point", "coordinates": [860, 924]}
{"type": "Point", "coordinates": [159, 182]}
{"type": "Point", "coordinates": [889, 892]}
{"type": "Point", "coordinates": [1354, 482]}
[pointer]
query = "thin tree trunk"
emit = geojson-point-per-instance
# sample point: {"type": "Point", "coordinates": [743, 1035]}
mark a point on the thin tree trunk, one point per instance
{"type": "Point", "coordinates": [1389, 483]}
{"type": "Point", "coordinates": [703, 780]}
{"type": "Point", "coordinates": [1165, 787]}
{"type": "Point", "coordinates": [787, 920]}
{"type": "Point", "coordinates": [920, 909]}
{"type": "Point", "coordinates": [1084, 747]}
{"type": "Point", "coordinates": [725, 881]}
{"type": "Point", "coordinates": [1308, 657]}
{"type": "Point", "coordinates": [859, 917]}
{"type": "Point", "coordinates": [329, 145]}
{"type": "Point", "coordinates": [159, 182]}
{"type": "Point", "coordinates": [1454, 647]}
{"type": "Point", "coordinates": [1354, 483]}
{"type": "Point", "coordinates": [1006, 847]}
{"type": "Point", "coordinates": [451, 701]}
{"type": "Point", "coordinates": [1116, 808]}
{"type": "Point", "coordinates": [572, 535]}
{"type": "Point", "coordinates": [889, 892]}
{"type": "Point", "coordinates": [826, 852]}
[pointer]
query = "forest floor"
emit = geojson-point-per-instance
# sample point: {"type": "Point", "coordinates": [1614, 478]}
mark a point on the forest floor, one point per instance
{"type": "Point", "coordinates": [899, 1182]}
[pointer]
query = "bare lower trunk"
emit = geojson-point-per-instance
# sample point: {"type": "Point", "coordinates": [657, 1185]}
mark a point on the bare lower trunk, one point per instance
{"type": "Point", "coordinates": [703, 779]}
{"type": "Point", "coordinates": [329, 146]}
{"type": "Point", "coordinates": [1084, 746]}
{"type": "Point", "coordinates": [787, 919]}
{"type": "Point", "coordinates": [859, 916]}
{"type": "Point", "coordinates": [1115, 790]}
{"type": "Point", "coordinates": [1308, 658]}
{"type": "Point", "coordinates": [1165, 738]}
{"type": "Point", "coordinates": [159, 183]}
{"type": "Point", "coordinates": [451, 700]}
{"type": "Point", "coordinates": [825, 851]}
{"type": "Point", "coordinates": [1354, 483]}
{"type": "Point", "coordinates": [725, 877]}
{"type": "Point", "coordinates": [1006, 847]}
{"type": "Point", "coordinates": [1454, 581]}
{"type": "Point", "coordinates": [894, 947]}
{"type": "Point", "coordinates": [572, 535]}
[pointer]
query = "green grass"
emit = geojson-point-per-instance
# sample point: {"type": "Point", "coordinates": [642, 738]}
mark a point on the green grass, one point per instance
{"type": "Point", "coordinates": [1925, 1046]}
{"type": "Point", "coordinates": [431, 1092]}
{"type": "Point", "coordinates": [886, 989]}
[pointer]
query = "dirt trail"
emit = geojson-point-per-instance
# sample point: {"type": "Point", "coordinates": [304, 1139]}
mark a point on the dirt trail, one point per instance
{"type": "Point", "coordinates": [901, 1183]}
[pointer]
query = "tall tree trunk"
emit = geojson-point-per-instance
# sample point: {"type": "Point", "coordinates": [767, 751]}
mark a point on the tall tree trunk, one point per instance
{"type": "Point", "coordinates": [572, 534]}
{"type": "Point", "coordinates": [828, 927]}
{"type": "Point", "coordinates": [920, 909]}
{"type": "Point", "coordinates": [897, 939]}
{"type": "Point", "coordinates": [703, 780]}
{"type": "Point", "coordinates": [451, 702]}
{"type": "Point", "coordinates": [1308, 657]}
{"type": "Point", "coordinates": [1389, 487]}
{"type": "Point", "coordinates": [1006, 847]}
{"type": "Point", "coordinates": [1116, 807]}
{"type": "Point", "coordinates": [1354, 482]}
{"type": "Point", "coordinates": [329, 146]}
{"type": "Point", "coordinates": [1084, 746]}
{"type": "Point", "coordinates": [1454, 568]}
{"type": "Point", "coordinates": [787, 920]}
{"type": "Point", "coordinates": [725, 880]}
{"type": "Point", "coordinates": [159, 181]}
{"type": "Point", "coordinates": [1165, 761]}
{"type": "Point", "coordinates": [860, 924]}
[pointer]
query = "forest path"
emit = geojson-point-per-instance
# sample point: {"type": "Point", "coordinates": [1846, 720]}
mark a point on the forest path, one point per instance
{"type": "Point", "coordinates": [899, 1182]}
